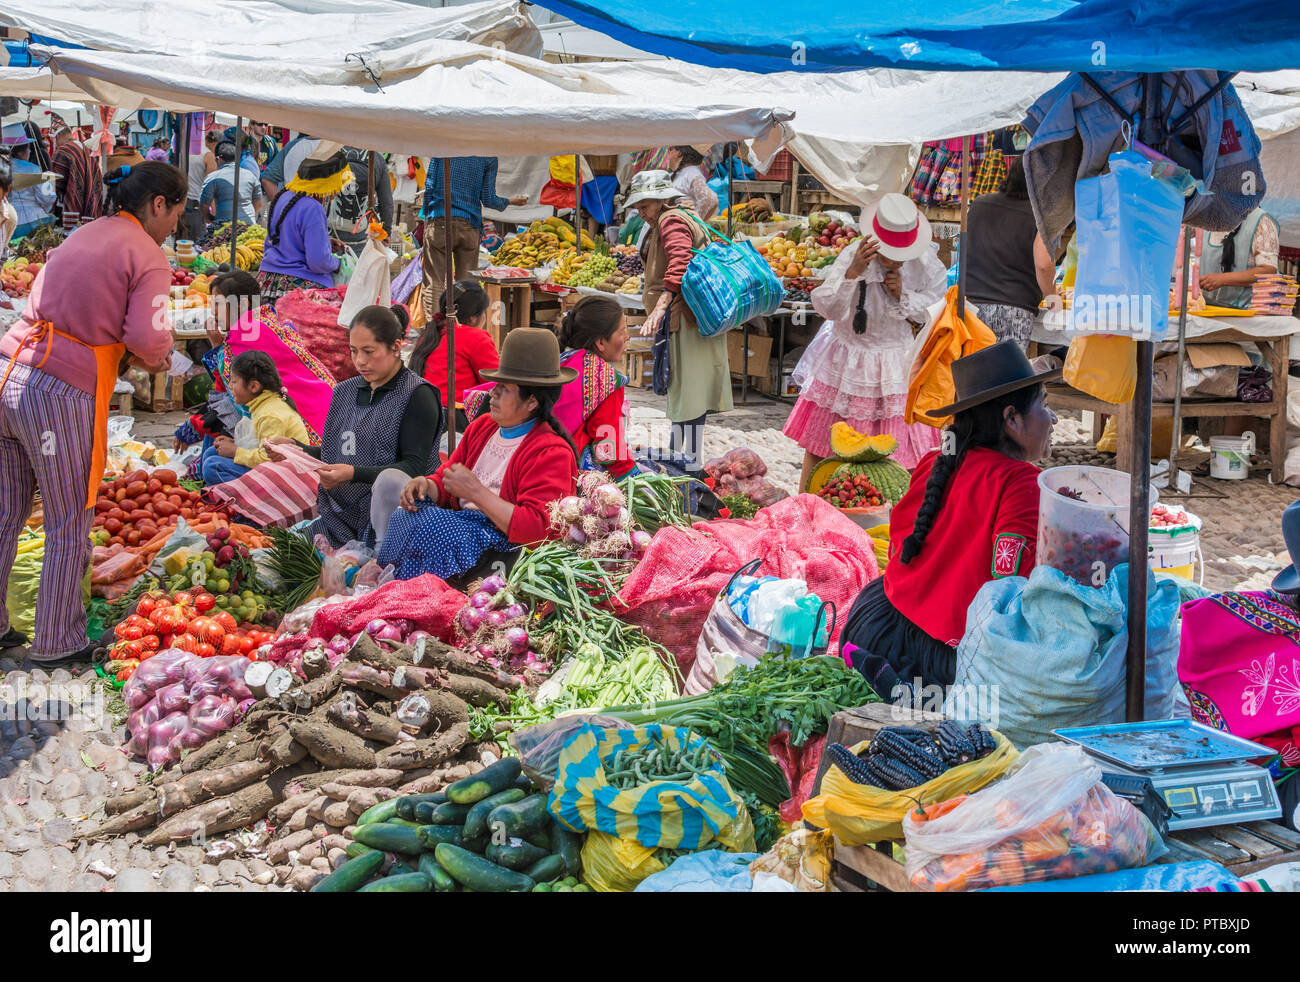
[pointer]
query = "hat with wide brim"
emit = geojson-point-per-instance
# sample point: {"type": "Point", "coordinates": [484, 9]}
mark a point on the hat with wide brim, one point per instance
{"type": "Point", "coordinates": [651, 185]}
{"type": "Point", "coordinates": [323, 173]}
{"type": "Point", "coordinates": [989, 373]}
{"type": "Point", "coordinates": [1288, 581]}
{"type": "Point", "coordinates": [530, 356]}
{"type": "Point", "coordinates": [899, 228]}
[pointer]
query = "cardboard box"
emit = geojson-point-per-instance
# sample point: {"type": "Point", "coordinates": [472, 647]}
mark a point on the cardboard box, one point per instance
{"type": "Point", "coordinates": [166, 393]}
{"type": "Point", "coordinates": [1210, 372]}
{"type": "Point", "coordinates": [760, 353]}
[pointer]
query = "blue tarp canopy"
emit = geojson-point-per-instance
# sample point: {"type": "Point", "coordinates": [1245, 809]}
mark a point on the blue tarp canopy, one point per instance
{"type": "Point", "coordinates": [1012, 35]}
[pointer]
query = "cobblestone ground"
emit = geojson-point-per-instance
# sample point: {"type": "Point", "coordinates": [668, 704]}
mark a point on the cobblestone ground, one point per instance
{"type": "Point", "coordinates": [55, 773]}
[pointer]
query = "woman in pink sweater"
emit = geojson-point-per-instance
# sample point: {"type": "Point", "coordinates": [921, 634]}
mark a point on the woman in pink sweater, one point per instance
{"type": "Point", "coordinates": [100, 301]}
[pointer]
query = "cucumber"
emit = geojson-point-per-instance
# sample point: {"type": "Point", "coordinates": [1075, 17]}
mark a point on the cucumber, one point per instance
{"type": "Point", "coordinates": [447, 813]}
{"type": "Point", "coordinates": [352, 874]}
{"type": "Point", "coordinates": [406, 805]}
{"type": "Point", "coordinates": [476, 844]}
{"type": "Point", "coordinates": [547, 868]}
{"type": "Point", "coordinates": [389, 838]}
{"type": "Point", "coordinates": [442, 881]}
{"type": "Point", "coordinates": [381, 812]}
{"type": "Point", "coordinates": [479, 874]}
{"type": "Point", "coordinates": [406, 822]}
{"type": "Point", "coordinates": [431, 835]}
{"type": "Point", "coordinates": [520, 817]}
{"type": "Point", "coordinates": [401, 883]}
{"type": "Point", "coordinates": [516, 854]}
{"type": "Point", "coordinates": [477, 818]}
{"type": "Point", "coordinates": [488, 781]}
{"type": "Point", "coordinates": [568, 845]}
{"type": "Point", "coordinates": [400, 869]}
{"type": "Point", "coordinates": [356, 849]}
{"type": "Point", "coordinates": [541, 838]}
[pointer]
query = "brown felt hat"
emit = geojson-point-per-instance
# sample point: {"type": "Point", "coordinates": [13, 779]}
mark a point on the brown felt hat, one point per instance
{"type": "Point", "coordinates": [530, 356]}
{"type": "Point", "coordinates": [991, 372]}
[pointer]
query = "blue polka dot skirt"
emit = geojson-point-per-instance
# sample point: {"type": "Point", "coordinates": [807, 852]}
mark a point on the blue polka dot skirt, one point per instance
{"type": "Point", "coordinates": [438, 540]}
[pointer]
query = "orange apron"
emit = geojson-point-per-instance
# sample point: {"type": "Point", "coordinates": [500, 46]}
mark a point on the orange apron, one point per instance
{"type": "Point", "coordinates": [107, 358]}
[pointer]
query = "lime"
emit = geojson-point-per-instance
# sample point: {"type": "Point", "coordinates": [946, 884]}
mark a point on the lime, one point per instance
{"type": "Point", "coordinates": [223, 586]}
{"type": "Point", "coordinates": [542, 888]}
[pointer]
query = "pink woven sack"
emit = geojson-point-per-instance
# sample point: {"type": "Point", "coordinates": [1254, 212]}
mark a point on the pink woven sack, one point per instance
{"type": "Point", "coordinates": [274, 493]}
{"type": "Point", "coordinates": [315, 315]}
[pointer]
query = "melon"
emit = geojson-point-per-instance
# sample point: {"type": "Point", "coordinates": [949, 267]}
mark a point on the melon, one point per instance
{"type": "Point", "coordinates": [850, 445]}
{"type": "Point", "coordinates": [889, 478]}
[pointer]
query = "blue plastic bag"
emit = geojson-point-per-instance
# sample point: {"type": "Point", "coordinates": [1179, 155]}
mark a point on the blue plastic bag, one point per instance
{"type": "Point", "coordinates": [728, 283]}
{"type": "Point", "coordinates": [1165, 876]}
{"type": "Point", "coordinates": [712, 871]}
{"type": "Point", "coordinates": [1045, 652]}
{"type": "Point", "coordinates": [1128, 225]}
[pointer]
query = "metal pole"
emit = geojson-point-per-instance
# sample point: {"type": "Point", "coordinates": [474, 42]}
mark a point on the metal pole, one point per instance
{"type": "Point", "coordinates": [731, 191]}
{"type": "Point", "coordinates": [183, 156]}
{"type": "Point", "coordinates": [450, 284]}
{"type": "Point", "coordinates": [962, 244]}
{"type": "Point", "coordinates": [577, 201]}
{"type": "Point", "coordinates": [234, 198]}
{"type": "Point", "coordinates": [370, 183]}
{"type": "Point", "coordinates": [1139, 518]}
{"type": "Point", "coordinates": [1176, 442]}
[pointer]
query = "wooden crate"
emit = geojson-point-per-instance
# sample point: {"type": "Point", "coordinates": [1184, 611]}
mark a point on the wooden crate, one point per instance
{"type": "Point", "coordinates": [760, 353]}
{"type": "Point", "coordinates": [864, 869]}
{"type": "Point", "coordinates": [850, 726]}
{"type": "Point", "coordinates": [1246, 848]}
{"type": "Point", "coordinates": [166, 393]}
{"type": "Point", "coordinates": [638, 362]}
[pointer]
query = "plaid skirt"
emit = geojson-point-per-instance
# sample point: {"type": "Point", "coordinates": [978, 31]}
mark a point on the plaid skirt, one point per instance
{"type": "Point", "coordinates": [276, 285]}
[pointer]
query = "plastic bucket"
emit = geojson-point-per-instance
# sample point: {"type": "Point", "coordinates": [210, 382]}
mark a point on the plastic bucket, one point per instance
{"type": "Point", "coordinates": [1230, 456]}
{"type": "Point", "coordinates": [1175, 550]}
{"type": "Point", "coordinates": [1085, 538]}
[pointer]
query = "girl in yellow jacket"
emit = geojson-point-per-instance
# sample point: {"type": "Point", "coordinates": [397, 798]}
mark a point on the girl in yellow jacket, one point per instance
{"type": "Point", "coordinates": [254, 384]}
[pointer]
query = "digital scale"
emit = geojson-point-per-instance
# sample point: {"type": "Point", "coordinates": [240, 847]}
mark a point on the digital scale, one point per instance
{"type": "Point", "coordinates": [1201, 773]}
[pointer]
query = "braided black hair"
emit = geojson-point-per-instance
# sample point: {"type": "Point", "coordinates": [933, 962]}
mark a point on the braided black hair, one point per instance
{"type": "Point", "coordinates": [980, 426]}
{"type": "Point", "coordinates": [546, 397]}
{"type": "Point", "coordinates": [257, 366]}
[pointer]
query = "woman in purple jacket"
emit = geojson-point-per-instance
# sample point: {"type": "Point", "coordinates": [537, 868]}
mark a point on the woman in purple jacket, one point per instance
{"type": "Point", "coordinates": [297, 251]}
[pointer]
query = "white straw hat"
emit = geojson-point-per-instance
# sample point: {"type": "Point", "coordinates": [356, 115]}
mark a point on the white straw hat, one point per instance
{"type": "Point", "coordinates": [898, 225]}
{"type": "Point", "coordinates": [651, 185]}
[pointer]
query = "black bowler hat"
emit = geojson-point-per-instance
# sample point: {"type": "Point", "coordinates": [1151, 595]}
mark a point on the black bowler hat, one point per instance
{"type": "Point", "coordinates": [991, 372]}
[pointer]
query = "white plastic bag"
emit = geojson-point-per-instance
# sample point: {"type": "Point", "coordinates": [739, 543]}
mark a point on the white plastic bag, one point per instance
{"type": "Point", "coordinates": [1049, 818]}
{"type": "Point", "coordinates": [246, 434]}
{"type": "Point", "coordinates": [369, 283]}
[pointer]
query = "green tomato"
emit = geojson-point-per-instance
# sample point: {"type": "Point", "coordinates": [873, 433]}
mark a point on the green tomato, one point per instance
{"type": "Point", "coordinates": [248, 595]}
{"type": "Point", "coordinates": [223, 586]}
{"type": "Point", "coordinates": [223, 601]}
{"type": "Point", "coordinates": [563, 889]}
{"type": "Point", "coordinates": [542, 888]}
{"type": "Point", "coordinates": [582, 888]}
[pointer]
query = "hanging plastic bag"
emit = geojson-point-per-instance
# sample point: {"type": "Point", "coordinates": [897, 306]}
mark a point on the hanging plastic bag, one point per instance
{"type": "Point", "coordinates": [1049, 819]}
{"type": "Point", "coordinates": [861, 814]}
{"type": "Point", "coordinates": [947, 338]}
{"type": "Point", "coordinates": [1104, 366]}
{"type": "Point", "coordinates": [25, 581]}
{"type": "Point", "coordinates": [1128, 227]}
{"type": "Point", "coordinates": [369, 283]}
{"type": "Point", "coordinates": [343, 275]}
{"type": "Point", "coordinates": [727, 284]}
{"type": "Point", "coordinates": [246, 434]}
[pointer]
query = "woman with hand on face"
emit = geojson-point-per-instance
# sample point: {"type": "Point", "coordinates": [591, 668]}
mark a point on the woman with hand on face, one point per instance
{"type": "Point", "coordinates": [855, 370]}
{"type": "Point", "coordinates": [495, 491]}
{"type": "Point", "coordinates": [380, 431]}
{"type": "Point", "coordinates": [99, 302]}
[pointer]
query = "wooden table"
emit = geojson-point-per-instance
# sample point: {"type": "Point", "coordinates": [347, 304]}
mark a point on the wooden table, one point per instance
{"type": "Point", "coordinates": [1276, 352]}
{"type": "Point", "coordinates": [781, 189]}
{"type": "Point", "coordinates": [510, 305]}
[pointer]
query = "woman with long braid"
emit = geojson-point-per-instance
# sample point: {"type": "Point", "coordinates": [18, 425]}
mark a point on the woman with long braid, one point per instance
{"type": "Point", "coordinates": [494, 493]}
{"type": "Point", "coordinates": [970, 516]}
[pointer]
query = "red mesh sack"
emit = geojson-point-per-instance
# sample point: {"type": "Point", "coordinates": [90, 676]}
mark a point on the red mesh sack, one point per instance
{"type": "Point", "coordinates": [670, 592]}
{"type": "Point", "coordinates": [315, 315]}
{"type": "Point", "coordinates": [426, 601]}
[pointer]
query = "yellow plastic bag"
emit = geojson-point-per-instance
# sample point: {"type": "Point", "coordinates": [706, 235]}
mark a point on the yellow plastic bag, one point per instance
{"type": "Point", "coordinates": [1103, 366]}
{"type": "Point", "coordinates": [611, 865]}
{"type": "Point", "coordinates": [860, 814]}
{"type": "Point", "coordinates": [946, 338]}
{"type": "Point", "coordinates": [880, 543]}
{"type": "Point", "coordinates": [415, 304]}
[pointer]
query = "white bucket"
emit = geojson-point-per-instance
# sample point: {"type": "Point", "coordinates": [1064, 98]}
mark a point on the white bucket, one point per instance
{"type": "Point", "coordinates": [1230, 456]}
{"type": "Point", "coordinates": [1176, 550]}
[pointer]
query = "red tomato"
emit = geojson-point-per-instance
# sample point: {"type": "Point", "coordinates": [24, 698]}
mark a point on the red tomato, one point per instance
{"type": "Point", "coordinates": [226, 620]}
{"type": "Point", "coordinates": [119, 632]}
{"type": "Point", "coordinates": [210, 631]}
{"type": "Point", "coordinates": [132, 649]}
{"type": "Point", "coordinates": [159, 616]}
{"type": "Point", "coordinates": [150, 642]}
{"type": "Point", "coordinates": [124, 674]}
{"type": "Point", "coordinates": [246, 646]}
{"type": "Point", "coordinates": [186, 642]}
{"type": "Point", "coordinates": [205, 650]}
{"type": "Point", "coordinates": [131, 633]}
{"type": "Point", "coordinates": [146, 606]}
{"type": "Point", "coordinates": [204, 602]}
{"type": "Point", "coordinates": [135, 620]}
{"type": "Point", "coordinates": [183, 598]}
{"type": "Point", "coordinates": [230, 645]}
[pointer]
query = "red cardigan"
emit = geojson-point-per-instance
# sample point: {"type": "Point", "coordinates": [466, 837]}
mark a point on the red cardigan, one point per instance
{"type": "Point", "coordinates": [475, 353]}
{"type": "Point", "coordinates": [542, 470]}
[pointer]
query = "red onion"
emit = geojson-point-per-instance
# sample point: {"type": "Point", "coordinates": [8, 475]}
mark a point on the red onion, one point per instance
{"type": "Point", "coordinates": [577, 536]}
{"type": "Point", "coordinates": [485, 651]}
{"type": "Point", "coordinates": [623, 516]}
{"type": "Point", "coordinates": [514, 611]}
{"type": "Point", "coordinates": [495, 618]}
{"type": "Point", "coordinates": [618, 543]}
{"type": "Point", "coordinates": [376, 625]}
{"type": "Point", "coordinates": [402, 624]}
{"type": "Point", "coordinates": [388, 633]}
{"type": "Point", "coordinates": [517, 640]}
{"type": "Point", "coordinates": [481, 599]}
{"type": "Point", "coordinates": [470, 620]}
{"type": "Point", "coordinates": [607, 496]}
{"type": "Point", "coordinates": [611, 511]}
{"type": "Point", "coordinates": [493, 584]}
{"type": "Point", "coordinates": [415, 637]}
{"type": "Point", "coordinates": [641, 540]}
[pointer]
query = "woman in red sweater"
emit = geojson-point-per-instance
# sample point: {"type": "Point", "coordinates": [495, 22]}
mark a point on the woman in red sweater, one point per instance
{"type": "Point", "coordinates": [970, 516]}
{"type": "Point", "coordinates": [495, 490]}
{"type": "Point", "coordinates": [476, 352]}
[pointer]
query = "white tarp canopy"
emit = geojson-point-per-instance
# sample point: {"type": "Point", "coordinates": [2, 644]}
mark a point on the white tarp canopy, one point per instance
{"type": "Point", "coordinates": [443, 98]}
{"type": "Point", "coordinates": [270, 30]}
